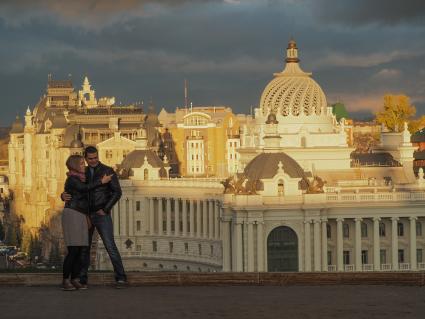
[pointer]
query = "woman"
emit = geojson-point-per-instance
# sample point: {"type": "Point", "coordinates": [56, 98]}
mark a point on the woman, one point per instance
{"type": "Point", "coordinates": [74, 219]}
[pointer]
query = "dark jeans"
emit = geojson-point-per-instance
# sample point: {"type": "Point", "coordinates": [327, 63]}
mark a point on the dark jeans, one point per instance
{"type": "Point", "coordinates": [72, 262]}
{"type": "Point", "coordinates": [104, 227]}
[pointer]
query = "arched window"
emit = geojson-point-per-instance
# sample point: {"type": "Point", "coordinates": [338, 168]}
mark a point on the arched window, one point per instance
{"type": "Point", "coordinates": [145, 174]}
{"type": "Point", "coordinates": [346, 230]}
{"type": "Point", "coordinates": [303, 141]}
{"type": "Point", "coordinates": [364, 230]}
{"type": "Point", "coordinates": [280, 188]}
{"type": "Point", "coordinates": [381, 229]}
{"type": "Point", "coordinates": [328, 231]}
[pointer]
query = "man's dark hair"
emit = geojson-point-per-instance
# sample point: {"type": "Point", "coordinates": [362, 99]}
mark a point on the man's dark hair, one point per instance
{"type": "Point", "coordinates": [90, 150]}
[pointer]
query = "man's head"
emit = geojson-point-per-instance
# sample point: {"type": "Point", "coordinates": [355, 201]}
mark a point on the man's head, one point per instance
{"type": "Point", "coordinates": [91, 156]}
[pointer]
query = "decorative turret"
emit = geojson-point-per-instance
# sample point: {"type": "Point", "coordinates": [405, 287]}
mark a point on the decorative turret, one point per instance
{"type": "Point", "coordinates": [28, 118]}
{"type": "Point", "coordinates": [272, 137]}
{"type": "Point", "coordinates": [292, 52]}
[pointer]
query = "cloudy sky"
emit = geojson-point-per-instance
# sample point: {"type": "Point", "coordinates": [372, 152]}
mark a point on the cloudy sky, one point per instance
{"type": "Point", "coordinates": [137, 50]}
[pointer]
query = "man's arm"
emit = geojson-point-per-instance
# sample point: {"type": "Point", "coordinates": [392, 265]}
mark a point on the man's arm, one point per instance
{"type": "Point", "coordinates": [114, 185]}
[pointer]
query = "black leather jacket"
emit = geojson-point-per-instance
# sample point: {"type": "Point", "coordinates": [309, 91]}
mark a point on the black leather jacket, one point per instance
{"type": "Point", "coordinates": [106, 195]}
{"type": "Point", "coordinates": [79, 192]}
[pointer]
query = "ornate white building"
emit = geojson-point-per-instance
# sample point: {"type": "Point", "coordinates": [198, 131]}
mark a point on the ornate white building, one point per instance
{"type": "Point", "coordinates": [300, 202]}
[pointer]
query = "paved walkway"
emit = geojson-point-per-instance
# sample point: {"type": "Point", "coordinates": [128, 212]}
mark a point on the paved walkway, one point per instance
{"type": "Point", "coordinates": [215, 302]}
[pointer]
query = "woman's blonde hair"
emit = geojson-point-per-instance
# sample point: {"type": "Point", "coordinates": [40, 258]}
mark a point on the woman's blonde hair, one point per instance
{"type": "Point", "coordinates": [73, 162]}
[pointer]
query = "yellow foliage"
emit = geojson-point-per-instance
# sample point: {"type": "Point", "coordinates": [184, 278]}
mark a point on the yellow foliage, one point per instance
{"type": "Point", "coordinates": [417, 125]}
{"type": "Point", "coordinates": [397, 110]}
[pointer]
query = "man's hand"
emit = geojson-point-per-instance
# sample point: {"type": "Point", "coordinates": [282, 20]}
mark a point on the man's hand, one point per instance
{"type": "Point", "coordinates": [66, 197]}
{"type": "Point", "coordinates": [101, 212]}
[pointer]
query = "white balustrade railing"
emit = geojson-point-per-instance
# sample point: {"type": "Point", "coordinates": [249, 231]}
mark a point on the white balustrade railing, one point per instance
{"type": "Point", "coordinates": [386, 267]}
{"type": "Point", "coordinates": [375, 197]}
{"type": "Point", "coordinates": [404, 266]}
{"type": "Point", "coordinates": [332, 268]}
{"type": "Point", "coordinates": [367, 267]}
{"type": "Point", "coordinates": [421, 266]}
{"type": "Point", "coordinates": [348, 267]}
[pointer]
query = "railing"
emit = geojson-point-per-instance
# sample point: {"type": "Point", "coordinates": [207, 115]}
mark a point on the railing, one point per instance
{"type": "Point", "coordinates": [386, 267]}
{"type": "Point", "coordinates": [331, 268]}
{"type": "Point", "coordinates": [421, 266]}
{"type": "Point", "coordinates": [367, 267]}
{"type": "Point", "coordinates": [348, 267]}
{"type": "Point", "coordinates": [375, 197]}
{"type": "Point", "coordinates": [404, 266]}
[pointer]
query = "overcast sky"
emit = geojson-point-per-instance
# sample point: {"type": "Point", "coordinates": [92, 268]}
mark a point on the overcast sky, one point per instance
{"type": "Point", "coordinates": [135, 50]}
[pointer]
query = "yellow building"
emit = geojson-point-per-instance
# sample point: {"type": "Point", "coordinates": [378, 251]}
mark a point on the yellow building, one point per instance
{"type": "Point", "coordinates": [205, 140]}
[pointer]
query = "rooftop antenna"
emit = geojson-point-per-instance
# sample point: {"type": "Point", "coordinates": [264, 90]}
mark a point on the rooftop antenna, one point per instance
{"type": "Point", "coordinates": [191, 107]}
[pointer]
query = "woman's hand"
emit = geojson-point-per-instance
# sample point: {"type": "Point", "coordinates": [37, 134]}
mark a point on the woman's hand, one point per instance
{"type": "Point", "coordinates": [106, 178]}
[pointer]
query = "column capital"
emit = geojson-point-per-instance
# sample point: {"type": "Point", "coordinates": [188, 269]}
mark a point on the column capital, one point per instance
{"type": "Point", "coordinates": [324, 219]}
{"type": "Point", "coordinates": [376, 219]}
{"type": "Point", "coordinates": [413, 218]}
{"type": "Point", "coordinates": [316, 221]}
{"type": "Point", "coordinates": [395, 219]}
{"type": "Point", "coordinates": [340, 219]}
{"type": "Point", "coordinates": [308, 221]}
{"type": "Point", "coordinates": [358, 219]}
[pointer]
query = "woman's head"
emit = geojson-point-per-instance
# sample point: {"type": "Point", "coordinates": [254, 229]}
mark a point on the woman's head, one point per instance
{"type": "Point", "coordinates": [76, 163]}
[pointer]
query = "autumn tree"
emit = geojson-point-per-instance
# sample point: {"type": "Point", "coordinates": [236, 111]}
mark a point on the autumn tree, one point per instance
{"type": "Point", "coordinates": [397, 110]}
{"type": "Point", "coordinates": [417, 125]}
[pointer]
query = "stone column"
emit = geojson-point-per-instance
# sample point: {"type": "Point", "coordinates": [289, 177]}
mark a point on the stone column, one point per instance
{"type": "Point", "coordinates": [123, 219]}
{"type": "Point", "coordinates": [177, 217]}
{"type": "Point", "coordinates": [324, 245]}
{"type": "Point", "coordinates": [184, 217]}
{"type": "Point", "coordinates": [216, 220]}
{"type": "Point", "coordinates": [250, 247]}
{"type": "Point", "coordinates": [226, 246]}
{"type": "Point", "coordinates": [116, 221]}
{"type": "Point", "coordinates": [413, 261]}
{"type": "Point", "coordinates": [130, 210]}
{"type": "Point", "coordinates": [316, 245]}
{"type": "Point", "coordinates": [160, 216]}
{"type": "Point", "coordinates": [339, 245]}
{"type": "Point", "coordinates": [260, 246]}
{"type": "Point", "coordinates": [151, 216]}
{"type": "Point", "coordinates": [376, 245]}
{"type": "Point", "coordinates": [394, 243]}
{"type": "Point", "coordinates": [238, 264]}
{"type": "Point", "coordinates": [198, 219]}
{"type": "Point", "coordinates": [204, 218]}
{"type": "Point", "coordinates": [307, 246]}
{"type": "Point", "coordinates": [211, 219]}
{"type": "Point", "coordinates": [168, 217]}
{"type": "Point", "coordinates": [358, 244]}
{"type": "Point", "coordinates": [192, 218]}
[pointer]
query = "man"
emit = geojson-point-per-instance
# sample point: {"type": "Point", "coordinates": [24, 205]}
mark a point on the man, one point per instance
{"type": "Point", "coordinates": [101, 201]}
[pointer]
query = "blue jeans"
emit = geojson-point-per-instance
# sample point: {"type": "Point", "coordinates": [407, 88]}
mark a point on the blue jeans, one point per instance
{"type": "Point", "coordinates": [104, 227]}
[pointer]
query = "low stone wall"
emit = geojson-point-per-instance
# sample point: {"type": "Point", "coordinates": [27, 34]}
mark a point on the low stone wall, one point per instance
{"type": "Point", "coordinates": [225, 279]}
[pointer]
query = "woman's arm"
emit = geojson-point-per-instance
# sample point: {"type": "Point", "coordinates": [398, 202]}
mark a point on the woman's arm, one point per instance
{"type": "Point", "coordinates": [76, 184]}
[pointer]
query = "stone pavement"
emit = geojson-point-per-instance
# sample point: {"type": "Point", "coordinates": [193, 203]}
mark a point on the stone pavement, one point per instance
{"type": "Point", "coordinates": [336, 301]}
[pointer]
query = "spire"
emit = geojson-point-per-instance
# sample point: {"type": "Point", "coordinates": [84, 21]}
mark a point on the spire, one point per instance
{"type": "Point", "coordinates": [28, 111]}
{"type": "Point", "coordinates": [292, 66]}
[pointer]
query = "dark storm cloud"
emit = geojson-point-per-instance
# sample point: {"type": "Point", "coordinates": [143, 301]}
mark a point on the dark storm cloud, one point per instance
{"type": "Point", "coordinates": [364, 12]}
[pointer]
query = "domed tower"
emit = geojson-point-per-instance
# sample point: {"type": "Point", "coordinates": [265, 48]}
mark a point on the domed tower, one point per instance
{"type": "Point", "coordinates": [293, 92]}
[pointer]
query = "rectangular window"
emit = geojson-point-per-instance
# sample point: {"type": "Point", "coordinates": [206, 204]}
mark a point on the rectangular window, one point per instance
{"type": "Point", "coordinates": [138, 225]}
{"type": "Point", "coordinates": [365, 257]}
{"type": "Point", "coordinates": [138, 247]}
{"type": "Point", "coordinates": [200, 249]}
{"type": "Point", "coordinates": [329, 257]}
{"type": "Point", "coordinates": [346, 257]}
{"type": "Point", "coordinates": [401, 255]}
{"type": "Point", "coordinates": [138, 206]}
{"type": "Point", "coordinates": [383, 256]}
{"type": "Point", "coordinates": [419, 256]}
{"type": "Point", "coordinates": [171, 246]}
{"type": "Point", "coordinates": [418, 229]}
{"type": "Point", "coordinates": [363, 230]}
{"type": "Point", "coordinates": [346, 230]}
{"type": "Point", "coordinates": [186, 248]}
{"type": "Point", "coordinates": [400, 229]}
{"type": "Point", "coordinates": [154, 246]}
{"type": "Point", "coordinates": [381, 230]}
{"type": "Point", "coordinates": [212, 250]}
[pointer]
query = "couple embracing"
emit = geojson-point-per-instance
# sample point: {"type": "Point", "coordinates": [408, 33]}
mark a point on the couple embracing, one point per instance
{"type": "Point", "coordinates": [90, 193]}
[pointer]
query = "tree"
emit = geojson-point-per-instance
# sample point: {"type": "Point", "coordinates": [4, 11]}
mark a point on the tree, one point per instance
{"type": "Point", "coordinates": [417, 125]}
{"type": "Point", "coordinates": [34, 248]}
{"type": "Point", "coordinates": [12, 235]}
{"type": "Point", "coordinates": [338, 109]}
{"type": "Point", "coordinates": [397, 110]}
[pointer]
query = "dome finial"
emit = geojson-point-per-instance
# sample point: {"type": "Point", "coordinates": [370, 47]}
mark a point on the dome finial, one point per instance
{"type": "Point", "coordinates": [292, 52]}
